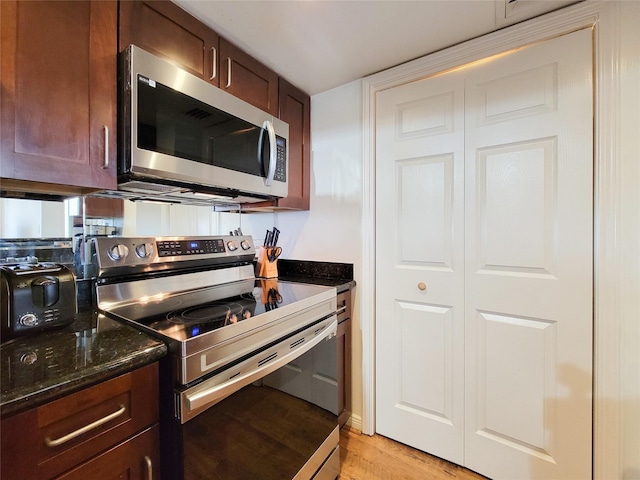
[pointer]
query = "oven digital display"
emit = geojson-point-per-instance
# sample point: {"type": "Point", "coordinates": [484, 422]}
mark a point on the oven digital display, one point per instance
{"type": "Point", "coordinates": [172, 248]}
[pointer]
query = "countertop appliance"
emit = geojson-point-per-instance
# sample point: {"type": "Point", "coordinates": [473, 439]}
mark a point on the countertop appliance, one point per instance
{"type": "Point", "coordinates": [35, 296]}
{"type": "Point", "coordinates": [249, 387]}
{"type": "Point", "coordinates": [186, 141]}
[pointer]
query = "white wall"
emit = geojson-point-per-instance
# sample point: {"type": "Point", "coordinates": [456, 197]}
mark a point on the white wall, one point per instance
{"type": "Point", "coordinates": [31, 219]}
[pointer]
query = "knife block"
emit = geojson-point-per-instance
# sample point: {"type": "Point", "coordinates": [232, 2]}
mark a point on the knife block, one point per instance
{"type": "Point", "coordinates": [264, 267]}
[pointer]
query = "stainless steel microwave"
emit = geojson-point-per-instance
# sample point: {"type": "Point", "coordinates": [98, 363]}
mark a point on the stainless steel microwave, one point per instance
{"type": "Point", "coordinates": [183, 140]}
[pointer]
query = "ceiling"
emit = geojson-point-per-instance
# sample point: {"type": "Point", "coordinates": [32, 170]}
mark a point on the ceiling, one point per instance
{"type": "Point", "coordinates": [318, 44]}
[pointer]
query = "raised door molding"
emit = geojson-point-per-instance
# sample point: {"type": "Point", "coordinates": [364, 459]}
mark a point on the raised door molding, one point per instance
{"type": "Point", "coordinates": [616, 41]}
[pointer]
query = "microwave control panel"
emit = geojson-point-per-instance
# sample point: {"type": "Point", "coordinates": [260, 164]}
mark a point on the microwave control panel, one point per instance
{"type": "Point", "coordinates": [281, 160]}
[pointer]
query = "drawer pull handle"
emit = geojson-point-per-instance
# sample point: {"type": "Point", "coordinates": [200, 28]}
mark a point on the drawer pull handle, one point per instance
{"type": "Point", "coordinates": [341, 309]}
{"type": "Point", "coordinates": [147, 461]}
{"type": "Point", "coordinates": [85, 429]}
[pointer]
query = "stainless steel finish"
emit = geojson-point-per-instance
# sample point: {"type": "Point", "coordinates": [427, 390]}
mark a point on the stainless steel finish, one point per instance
{"type": "Point", "coordinates": [197, 399]}
{"type": "Point", "coordinates": [154, 165]}
{"type": "Point", "coordinates": [199, 359]}
{"type": "Point", "coordinates": [112, 254]}
{"type": "Point", "coordinates": [214, 60]}
{"type": "Point", "coordinates": [85, 429]}
{"type": "Point", "coordinates": [105, 164]}
{"type": "Point", "coordinates": [330, 469]}
{"type": "Point", "coordinates": [273, 153]}
{"type": "Point", "coordinates": [228, 73]}
{"type": "Point", "coordinates": [149, 464]}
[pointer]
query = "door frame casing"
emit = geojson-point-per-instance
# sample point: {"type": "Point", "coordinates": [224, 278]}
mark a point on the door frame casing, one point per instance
{"type": "Point", "coordinates": [605, 20]}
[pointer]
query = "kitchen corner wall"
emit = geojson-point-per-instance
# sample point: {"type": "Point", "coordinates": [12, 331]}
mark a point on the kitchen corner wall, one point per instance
{"type": "Point", "coordinates": [331, 230]}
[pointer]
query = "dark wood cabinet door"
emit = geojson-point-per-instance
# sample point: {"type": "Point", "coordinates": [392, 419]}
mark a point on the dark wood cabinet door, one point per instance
{"type": "Point", "coordinates": [295, 109]}
{"type": "Point", "coordinates": [344, 357]}
{"type": "Point", "coordinates": [56, 437]}
{"type": "Point", "coordinates": [58, 104]}
{"type": "Point", "coordinates": [136, 459]}
{"type": "Point", "coordinates": [164, 29]}
{"type": "Point", "coordinates": [246, 78]}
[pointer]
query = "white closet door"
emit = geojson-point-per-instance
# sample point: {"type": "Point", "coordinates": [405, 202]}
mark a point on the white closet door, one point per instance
{"type": "Point", "coordinates": [420, 265]}
{"type": "Point", "coordinates": [528, 281]}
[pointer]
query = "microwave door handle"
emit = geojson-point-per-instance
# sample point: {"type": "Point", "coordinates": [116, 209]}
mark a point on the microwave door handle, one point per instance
{"type": "Point", "coordinates": [268, 126]}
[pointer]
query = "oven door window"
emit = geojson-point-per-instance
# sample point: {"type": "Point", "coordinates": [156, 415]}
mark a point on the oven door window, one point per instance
{"type": "Point", "coordinates": [175, 124]}
{"type": "Point", "coordinates": [270, 429]}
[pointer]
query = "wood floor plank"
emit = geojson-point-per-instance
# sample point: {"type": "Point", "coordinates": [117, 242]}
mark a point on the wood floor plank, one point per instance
{"type": "Point", "coordinates": [364, 457]}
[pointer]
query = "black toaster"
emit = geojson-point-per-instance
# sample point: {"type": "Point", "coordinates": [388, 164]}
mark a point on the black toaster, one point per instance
{"type": "Point", "coordinates": [34, 297]}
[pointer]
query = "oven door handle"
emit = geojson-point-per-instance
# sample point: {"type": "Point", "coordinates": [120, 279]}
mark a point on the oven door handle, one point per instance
{"type": "Point", "coordinates": [204, 396]}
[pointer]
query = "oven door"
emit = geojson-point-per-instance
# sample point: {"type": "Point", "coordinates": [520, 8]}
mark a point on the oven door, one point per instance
{"type": "Point", "coordinates": [272, 416]}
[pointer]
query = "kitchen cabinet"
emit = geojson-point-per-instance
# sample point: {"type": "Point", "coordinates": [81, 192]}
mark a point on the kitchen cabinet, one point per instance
{"type": "Point", "coordinates": [344, 357]}
{"type": "Point", "coordinates": [100, 432]}
{"type": "Point", "coordinates": [246, 78]}
{"type": "Point", "coordinates": [102, 207]}
{"type": "Point", "coordinates": [58, 104]}
{"type": "Point", "coordinates": [164, 29]}
{"type": "Point", "coordinates": [295, 109]}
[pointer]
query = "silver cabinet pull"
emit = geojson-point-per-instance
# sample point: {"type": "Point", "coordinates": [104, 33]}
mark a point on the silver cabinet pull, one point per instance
{"type": "Point", "coordinates": [105, 164]}
{"type": "Point", "coordinates": [147, 461]}
{"type": "Point", "coordinates": [228, 73]}
{"type": "Point", "coordinates": [214, 67]}
{"type": "Point", "coordinates": [85, 429]}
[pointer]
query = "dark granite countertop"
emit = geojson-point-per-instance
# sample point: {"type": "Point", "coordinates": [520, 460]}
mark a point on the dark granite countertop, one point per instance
{"type": "Point", "coordinates": [330, 274]}
{"type": "Point", "coordinates": [39, 368]}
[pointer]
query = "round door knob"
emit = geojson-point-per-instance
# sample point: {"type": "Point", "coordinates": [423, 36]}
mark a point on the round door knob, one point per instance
{"type": "Point", "coordinates": [118, 252]}
{"type": "Point", "coordinates": [422, 286]}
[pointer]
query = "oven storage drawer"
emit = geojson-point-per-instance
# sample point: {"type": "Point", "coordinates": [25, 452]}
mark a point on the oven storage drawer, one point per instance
{"type": "Point", "coordinates": [58, 436]}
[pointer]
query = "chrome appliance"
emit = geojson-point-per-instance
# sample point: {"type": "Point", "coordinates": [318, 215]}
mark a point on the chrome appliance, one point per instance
{"type": "Point", "coordinates": [186, 141]}
{"type": "Point", "coordinates": [250, 386]}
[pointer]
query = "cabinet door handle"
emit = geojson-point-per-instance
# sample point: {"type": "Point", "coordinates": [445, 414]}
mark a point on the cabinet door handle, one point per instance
{"type": "Point", "coordinates": [85, 429]}
{"type": "Point", "coordinates": [105, 164]}
{"type": "Point", "coordinates": [228, 73]}
{"type": "Point", "coordinates": [147, 461]}
{"type": "Point", "coordinates": [214, 67]}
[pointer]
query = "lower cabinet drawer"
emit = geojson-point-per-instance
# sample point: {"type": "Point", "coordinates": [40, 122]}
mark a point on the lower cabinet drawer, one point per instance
{"type": "Point", "coordinates": [49, 440]}
{"type": "Point", "coordinates": [137, 459]}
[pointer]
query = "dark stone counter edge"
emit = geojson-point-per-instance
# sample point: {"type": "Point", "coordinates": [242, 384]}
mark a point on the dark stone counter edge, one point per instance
{"type": "Point", "coordinates": [88, 378]}
{"type": "Point", "coordinates": [331, 274]}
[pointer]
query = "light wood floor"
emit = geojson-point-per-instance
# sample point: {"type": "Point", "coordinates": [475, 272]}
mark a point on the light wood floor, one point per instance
{"type": "Point", "coordinates": [363, 457]}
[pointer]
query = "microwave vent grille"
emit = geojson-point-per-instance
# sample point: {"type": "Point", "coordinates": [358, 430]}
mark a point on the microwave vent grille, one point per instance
{"type": "Point", "coordinates": [197, 113]}
{"type": "Point", "coordinates": [155, 187]}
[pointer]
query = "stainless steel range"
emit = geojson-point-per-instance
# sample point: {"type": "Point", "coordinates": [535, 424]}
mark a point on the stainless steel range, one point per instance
{"type": "Point", "coordinates": [250, 383]}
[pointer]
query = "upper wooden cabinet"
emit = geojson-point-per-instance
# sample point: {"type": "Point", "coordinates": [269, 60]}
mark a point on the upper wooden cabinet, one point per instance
{"type": "Point", "coordinates": [295, 109]}
{"type": "Point", "coordinates": [164, 29]}
{"type": "Point", "coordinates": [58, 103]}
{"type": "Point", "coordinates": [246, 78]}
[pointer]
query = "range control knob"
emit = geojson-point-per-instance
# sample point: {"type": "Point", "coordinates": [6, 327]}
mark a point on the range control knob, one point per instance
{"type": "Point", "coordinates": [144, 250]}
{"type": "Point", "coordinates": [245, 245]}
{"type": "Point", "coordinates": [28, 320]}
{"type": "Point", "coordinates": [232, 245]}
{"type": "Point", "coordinates": [118, 252]}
